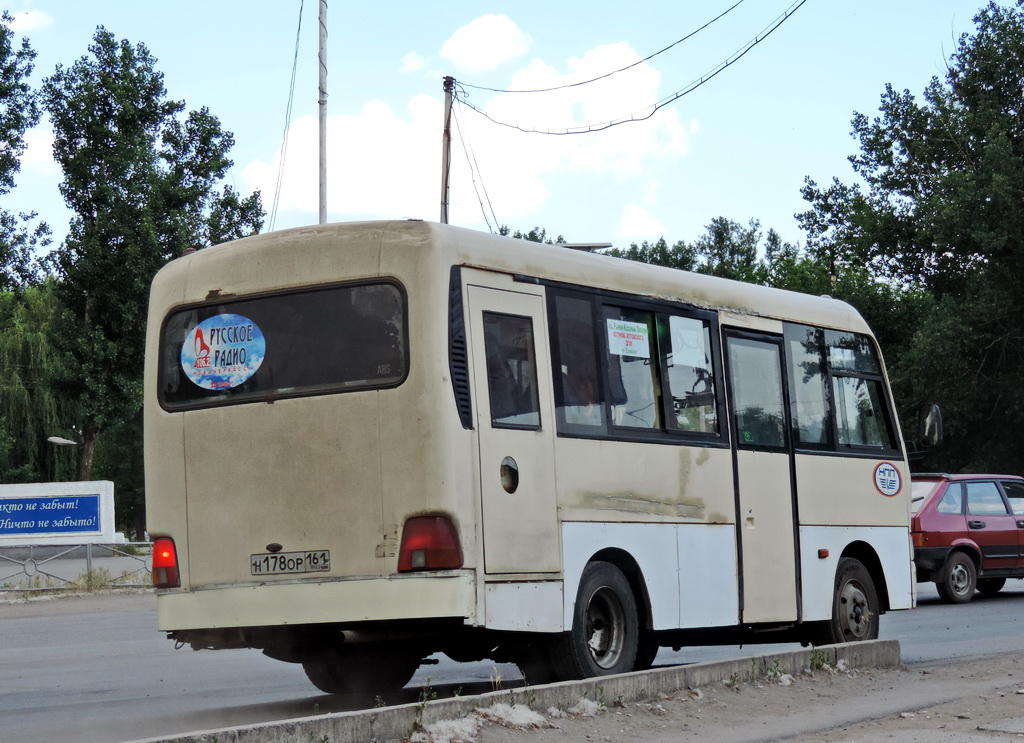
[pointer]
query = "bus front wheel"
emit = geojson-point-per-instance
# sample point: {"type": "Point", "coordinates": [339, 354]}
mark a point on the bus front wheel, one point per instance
{"type": "Point", "coordinates": [605, 627]}
{"type": "Point", "coordinates": [854, 606]}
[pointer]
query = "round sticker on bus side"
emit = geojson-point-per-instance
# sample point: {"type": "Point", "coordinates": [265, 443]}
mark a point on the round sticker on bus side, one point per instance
{"type": "Point", "coordinates": [223, 351]}
{"type": "Point", "coordinates": [888, 480]}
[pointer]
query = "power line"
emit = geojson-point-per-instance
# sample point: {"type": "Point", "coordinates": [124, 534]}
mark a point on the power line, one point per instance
{"type": "Point", "coordinates": [614, 72]}
{"type": "Point", "coordinates": [643, 114]}
{"type": "Point", "coordinates": [287, 124]}
{"type": "Point", "coordinates": [474, 170]}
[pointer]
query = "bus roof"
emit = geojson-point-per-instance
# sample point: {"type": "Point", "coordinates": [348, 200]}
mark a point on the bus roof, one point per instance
{"type": "Point", "coordinates": [276, 256]}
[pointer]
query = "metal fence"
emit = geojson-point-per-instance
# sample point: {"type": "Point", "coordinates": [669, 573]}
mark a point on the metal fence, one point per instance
{"type": "Point", "coordinates": [77, 567]}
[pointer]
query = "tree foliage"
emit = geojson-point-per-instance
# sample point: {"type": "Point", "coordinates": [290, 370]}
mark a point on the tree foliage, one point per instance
{"type": "Point", "coordinates": [141, 179]}
{"type": "Point", "coordinates": [726, 249]}
{"type": "Point", "coordinates": [940, 209]}
{"type": "Point", "coordinates": [30, 407]}
{"type": "Point", "coordinates": [536, 235]}
{"type": "Point", "coordinates": [19, 111]}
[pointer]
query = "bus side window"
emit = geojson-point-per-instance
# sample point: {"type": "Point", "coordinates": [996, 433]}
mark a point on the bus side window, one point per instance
{"type": "Point", "coordinates": [686, 361]}
{"type": "Point", "coordinates": [577, 388]}
{"type": "Point", "coordinates": [632, 368]}
{"type": "Point", "coordinates": [809, 409]}
{"type": "Point", "coordinates": [757, 394]}
{"type": "Point", "coordinates": [858, 396]}
{"type": "Point", "coordinates": [511, 371]}
{"type": "Point", "coordinates": [859, 411]}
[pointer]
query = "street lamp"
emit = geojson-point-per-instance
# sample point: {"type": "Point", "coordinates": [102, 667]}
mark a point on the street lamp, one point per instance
{"type": "Point", "coordinates": [61, 441]}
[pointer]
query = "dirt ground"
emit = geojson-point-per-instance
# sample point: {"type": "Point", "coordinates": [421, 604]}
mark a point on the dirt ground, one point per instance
{"type": "Point", "coordinates": [968, 701]}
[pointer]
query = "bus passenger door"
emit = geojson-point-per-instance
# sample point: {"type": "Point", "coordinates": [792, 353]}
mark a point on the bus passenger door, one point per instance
{"type": "Point", "coordinates": [766, 530]}
{"type": "Point", "coordinates": [515, 421]}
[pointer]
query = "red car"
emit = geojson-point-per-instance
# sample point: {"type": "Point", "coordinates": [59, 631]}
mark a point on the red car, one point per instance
{"type": "Point", "coordinates": [968, 532]}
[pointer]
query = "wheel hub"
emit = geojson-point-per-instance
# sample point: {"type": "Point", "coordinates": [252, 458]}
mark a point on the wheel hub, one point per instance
{"type": "Point", "coordinates": [855, 614]}
{"type": "Point", "coordinates": [959, 579]}
{"type": "Point", "coordinates": [605, 628]}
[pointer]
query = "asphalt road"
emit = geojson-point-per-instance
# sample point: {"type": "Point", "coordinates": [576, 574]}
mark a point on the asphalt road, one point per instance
{"type": "Point", "coordinates": [94, 668]}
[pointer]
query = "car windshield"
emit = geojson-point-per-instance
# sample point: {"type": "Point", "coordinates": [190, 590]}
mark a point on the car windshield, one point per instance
{"type": "Point", "coordinates": [919, 492]}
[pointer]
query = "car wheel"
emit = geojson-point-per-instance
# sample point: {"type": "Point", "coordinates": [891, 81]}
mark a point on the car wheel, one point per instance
{"type": "Point", "coordinates": [854, 606]}
{"type": "Point", "coordinates": [605, 627]}
{"type": "Point", "coordinates": [991, 585]}
{"type": "Point", "coordinates": [959, 579]}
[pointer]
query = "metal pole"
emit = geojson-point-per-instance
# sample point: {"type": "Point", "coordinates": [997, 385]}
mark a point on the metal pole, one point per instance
{"type": "Point", "coordinates": [446, 146]}
{"type": "Point", "coordinates": [323, 111]}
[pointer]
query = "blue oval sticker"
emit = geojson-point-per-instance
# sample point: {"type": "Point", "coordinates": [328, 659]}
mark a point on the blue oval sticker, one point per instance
{"type": "Point", "coordinates": [223, 351]}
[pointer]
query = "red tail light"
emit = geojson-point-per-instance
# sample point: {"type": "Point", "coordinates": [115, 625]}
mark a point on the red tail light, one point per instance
{"type": "Point", "coordinates": [165, 563]}
{"type": "Point", "coordinates": [429, 543]}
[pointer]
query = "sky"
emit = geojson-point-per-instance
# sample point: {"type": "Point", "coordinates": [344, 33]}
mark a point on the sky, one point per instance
{"type": "Point", "coordinates": [737, 146]}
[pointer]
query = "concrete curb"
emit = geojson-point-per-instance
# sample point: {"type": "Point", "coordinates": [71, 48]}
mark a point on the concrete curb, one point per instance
{"type": "Point", "coordinates": [395, 723]}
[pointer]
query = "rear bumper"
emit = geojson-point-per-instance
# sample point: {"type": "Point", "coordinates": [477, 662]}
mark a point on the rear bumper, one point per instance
{"type": "Point", "coordinates": [349, 601]}
{"type": "Point", "coordinates": [929, 560]}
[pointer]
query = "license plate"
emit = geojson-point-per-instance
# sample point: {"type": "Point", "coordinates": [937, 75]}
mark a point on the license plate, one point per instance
{"type": "Point", "coordinates": [280, 563]}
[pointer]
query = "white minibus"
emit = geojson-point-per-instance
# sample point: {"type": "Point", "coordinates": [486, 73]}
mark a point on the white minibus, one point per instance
{"type": "Point", "coordinates": [368, 443]}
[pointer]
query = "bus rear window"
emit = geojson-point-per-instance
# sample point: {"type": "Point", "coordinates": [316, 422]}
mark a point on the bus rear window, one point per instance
{"type": "Point", "coordinates": [320, 341]}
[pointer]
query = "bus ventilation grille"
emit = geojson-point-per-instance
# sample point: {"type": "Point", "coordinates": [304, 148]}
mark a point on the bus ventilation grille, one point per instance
{"type": "Point", "coordinates": [458, 359]}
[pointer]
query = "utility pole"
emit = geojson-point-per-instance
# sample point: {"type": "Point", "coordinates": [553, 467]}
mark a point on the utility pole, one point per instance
{"type": "Point", "coordinates": [446, 146]}
{"type": "Point", "coordinates": [323, 111]}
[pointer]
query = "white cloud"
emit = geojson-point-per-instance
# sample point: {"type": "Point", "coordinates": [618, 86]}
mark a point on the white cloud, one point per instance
{"type": "Point", "coordinates": [622, 148]}
{"type": "Point", "coordinates": [38, 156]}
{"type": "Point", "coordinates": [384, 162]}
{"type": "Point", "coordinates": [485, 43]}
{"type": "Point", "coordinates": [30, 20]}
{"type": "Point", "coordinates": [516, 164]}
{"type": "Point", "coordinates": [379, 164]}
{"type": "Point", "coordinates": [412, 62]}
{"type": "Point", "coordinates": [638, 224]}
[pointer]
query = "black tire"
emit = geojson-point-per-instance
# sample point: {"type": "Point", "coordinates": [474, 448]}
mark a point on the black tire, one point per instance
{"type": "Point", "coordinates": [535, 663]}
{"type": "Point", "coordinates": [959, 579]}
{"type": "Point", "coordinates": [854, 606]}
{"type": "Point", "coordinates": [363, 670]}
{"type": "Point", "coordinates": [991, 585]}
{"type": "Point", "coordinates": [646, 651]}
{"type": "Point", "coordinates": [605, 627]}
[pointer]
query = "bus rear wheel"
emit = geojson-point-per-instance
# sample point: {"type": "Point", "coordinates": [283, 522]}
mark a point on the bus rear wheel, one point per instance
{"type": "Point", "coordinates": [854, 606]}
{"type": "Point", "coordinates": [361, 669]}
{"type": "Point", "coordinates": [605, 627]}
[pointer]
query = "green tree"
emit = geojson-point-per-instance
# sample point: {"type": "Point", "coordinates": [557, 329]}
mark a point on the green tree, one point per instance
{"type": "Point", "coordinates": [536, 235]}
{"type": "Point", "coordinates": [940, 210]}
{"type": "Point", "coordinates": [659, 253]}
{"type": "Point", "coordinates": [30, 408]}
{"type": "Point", "coordinates": [19, 111]}
{"type": "Point", "coordinates": [141, 181]}
{"type": "Point", "coordinates": [729, 250]}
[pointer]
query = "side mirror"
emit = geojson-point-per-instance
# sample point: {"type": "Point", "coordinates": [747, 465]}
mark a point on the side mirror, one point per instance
{"type": "Point", "coordinates": [929, 425]}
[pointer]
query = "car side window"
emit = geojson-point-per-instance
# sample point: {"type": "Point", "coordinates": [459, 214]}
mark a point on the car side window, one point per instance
{"type": "Point", "coordinates": [952, 502]}
{"type": "Point", "coordinates": [984, 499]}
{"type": "Point", "coordinates": [1015, 494]}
